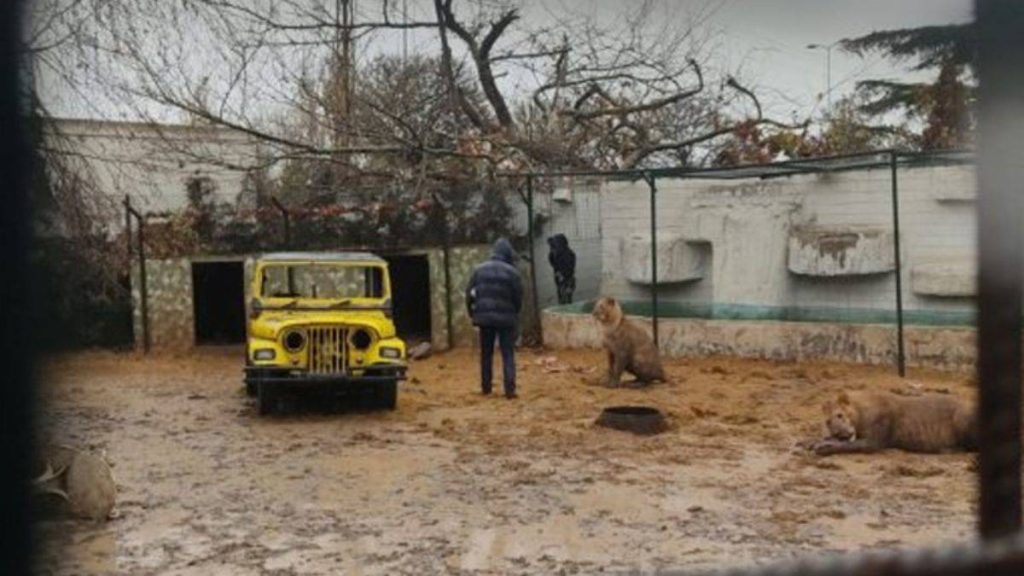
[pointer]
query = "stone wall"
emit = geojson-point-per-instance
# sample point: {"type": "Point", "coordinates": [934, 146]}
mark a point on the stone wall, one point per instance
{"type": "Point", "coordinates": [171, 312]}
{"type": "Point", "coordinates": [169, 302]}
{"type": "Point", "coordinates": [463, 259]}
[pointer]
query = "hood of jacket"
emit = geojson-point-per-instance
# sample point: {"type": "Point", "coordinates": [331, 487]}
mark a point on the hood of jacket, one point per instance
{"type": "Point", "coordinates": [503, 251]}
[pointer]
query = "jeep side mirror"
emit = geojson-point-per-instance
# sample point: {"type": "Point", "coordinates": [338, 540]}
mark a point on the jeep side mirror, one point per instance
{"type": "Point", "coordinates": [255, 308]}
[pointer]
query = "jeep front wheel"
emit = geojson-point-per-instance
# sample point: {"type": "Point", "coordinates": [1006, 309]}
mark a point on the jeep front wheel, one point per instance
{"type": "Point", "coordinates": [266, 400]}
{"type": "Point", "coordinates": [387, 395]}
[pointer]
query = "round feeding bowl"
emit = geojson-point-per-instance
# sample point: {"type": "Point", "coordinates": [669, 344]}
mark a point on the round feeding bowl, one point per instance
{"type": "Point", "coordinates": [635, 419]}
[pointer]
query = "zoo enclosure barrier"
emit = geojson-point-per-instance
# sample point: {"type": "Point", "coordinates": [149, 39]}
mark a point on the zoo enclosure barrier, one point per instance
{"type": "Point", "coordinates": [649, 237]}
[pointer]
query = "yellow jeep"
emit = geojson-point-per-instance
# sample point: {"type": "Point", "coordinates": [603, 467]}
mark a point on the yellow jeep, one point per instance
{"type": "Point", "coordinates": [323, 321]}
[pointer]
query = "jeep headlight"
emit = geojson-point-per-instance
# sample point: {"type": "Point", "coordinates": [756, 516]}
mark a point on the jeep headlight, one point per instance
{"type": "Point", "coordinates": [389, 352]}
{"type": "Point", "coordinates": [361, 339]}
{"type": "Point", "coordinates": [264, 354]}
{"type": "Point", "coordinates": [294, 341]}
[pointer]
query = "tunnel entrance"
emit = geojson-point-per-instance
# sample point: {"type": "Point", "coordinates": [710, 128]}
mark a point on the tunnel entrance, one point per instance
{"type": "Point", "coordinates": [218, 297]}
{"type": "Point", "coordinates": [410, 295]}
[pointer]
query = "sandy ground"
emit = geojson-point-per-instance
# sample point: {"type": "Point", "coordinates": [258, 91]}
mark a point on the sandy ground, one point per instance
{"type": "Point", "coordinates": [453, 482]}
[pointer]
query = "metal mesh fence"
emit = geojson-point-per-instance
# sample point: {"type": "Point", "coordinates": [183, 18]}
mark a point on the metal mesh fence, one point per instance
{"type": "Point", "coordinates": [845, 250]}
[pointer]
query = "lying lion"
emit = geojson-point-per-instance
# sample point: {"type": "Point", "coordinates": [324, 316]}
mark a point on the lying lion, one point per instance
{"type": "Point", "coordinates": [630, 348]}
{"type": "Point", "coordinates": [867, 422]}
{"type": "Point", "coordinates": [81, 482]}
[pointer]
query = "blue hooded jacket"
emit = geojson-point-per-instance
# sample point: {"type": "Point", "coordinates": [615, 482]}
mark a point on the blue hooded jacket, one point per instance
{"type": "Point", "coordinates": [495, 291]}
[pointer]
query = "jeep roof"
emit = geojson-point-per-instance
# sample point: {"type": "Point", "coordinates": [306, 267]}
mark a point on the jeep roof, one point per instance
{"type": "Point", "coordinates": [320, 257]}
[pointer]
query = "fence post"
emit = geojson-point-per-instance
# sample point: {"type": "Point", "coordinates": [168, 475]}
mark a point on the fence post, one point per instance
{"type": "Point", "coordinates": [649, 178]}
{"type": "Point", "coordinates": [144, 288]}
{"type": "Point", "coordinates": [143, 285]}
{"type": "Point", "coordinates": [901, 360]}
{"type": "Point", "coordinates": [128, 227]}
{"type": "Point", "coordinates": [1000, 58]}
{"type": "Point", "coordinates": [533, 260]}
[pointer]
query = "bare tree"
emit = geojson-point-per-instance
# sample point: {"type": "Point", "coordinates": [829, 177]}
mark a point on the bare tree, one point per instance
{"type": "Point", "coordinates": [573, 92]}
{"type": "Point", "coordinates": [605, 96]}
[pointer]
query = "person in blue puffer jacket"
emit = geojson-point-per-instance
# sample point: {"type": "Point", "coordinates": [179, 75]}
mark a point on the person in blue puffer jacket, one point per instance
{"type": "Point", "coordinates": [494, 297]}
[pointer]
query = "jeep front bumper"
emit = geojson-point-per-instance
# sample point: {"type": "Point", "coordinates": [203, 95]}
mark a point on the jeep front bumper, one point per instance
{"type": "Point", "coordinates": [289, 376]}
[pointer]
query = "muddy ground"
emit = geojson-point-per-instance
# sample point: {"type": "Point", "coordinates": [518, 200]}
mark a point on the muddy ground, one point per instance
{"type": "Point", "coordinates": [453, 482]}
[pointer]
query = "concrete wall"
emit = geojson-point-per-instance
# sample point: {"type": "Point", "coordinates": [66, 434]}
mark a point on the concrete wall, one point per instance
{"type": "Point", "coordinates": [154, 163]}
{"type": "Point", "coordinates": [804, 245]}
{"type": "Point", "coordinates": [570, 206]}
{"type": "Point", "coordinates": [951, 348]}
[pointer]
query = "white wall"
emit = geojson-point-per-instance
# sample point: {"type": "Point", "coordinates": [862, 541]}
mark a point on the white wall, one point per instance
{"type": "Point", "coordinates": [578, 216]}
{"type": "Point", "coordinates": [153, 163]}
{"type": "Point", "coordinates": [747, 225]}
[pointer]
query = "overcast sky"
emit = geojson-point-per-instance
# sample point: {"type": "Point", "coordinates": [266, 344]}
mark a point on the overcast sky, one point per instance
{"type": "Point", "coordinates": [766, 40]}
{"type": "Point", "coordinates": [763, 41]}
{"type": "Point", "coordinates": [769, 39]}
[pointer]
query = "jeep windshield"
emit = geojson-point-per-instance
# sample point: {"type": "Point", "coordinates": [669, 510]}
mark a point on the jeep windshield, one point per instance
{"type": "Point", "coordinates": [318, 285]}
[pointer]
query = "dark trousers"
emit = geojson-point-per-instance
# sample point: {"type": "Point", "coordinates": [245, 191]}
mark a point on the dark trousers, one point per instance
{"type": "Point", "coordinates": [565, 286]}
{"type": "Point", "coordinates": [507, 340]}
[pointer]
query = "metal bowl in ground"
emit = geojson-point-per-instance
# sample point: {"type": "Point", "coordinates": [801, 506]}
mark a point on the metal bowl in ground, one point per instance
{"type": "Point", "coordinates": [635, 419]}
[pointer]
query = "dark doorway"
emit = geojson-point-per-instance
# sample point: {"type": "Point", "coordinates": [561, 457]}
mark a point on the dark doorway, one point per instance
{"type": "Point", "coordinates": [218, 295]}
{"type": "Point", "coordinates": [410, 295]}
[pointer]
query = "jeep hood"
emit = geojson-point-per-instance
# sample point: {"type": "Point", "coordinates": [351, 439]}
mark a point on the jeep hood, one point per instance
{"type": "Point", "coordinates": [271, 323]}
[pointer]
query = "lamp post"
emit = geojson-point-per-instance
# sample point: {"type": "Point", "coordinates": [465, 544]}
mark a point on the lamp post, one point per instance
{"type": "Point", "coordinates": [828, 69]}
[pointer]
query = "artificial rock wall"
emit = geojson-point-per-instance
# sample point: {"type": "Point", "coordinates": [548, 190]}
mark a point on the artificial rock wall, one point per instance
{"type": "Point", "coordinates": [804, 246]}
{"type": "Point", "coordinates": [793, 268]}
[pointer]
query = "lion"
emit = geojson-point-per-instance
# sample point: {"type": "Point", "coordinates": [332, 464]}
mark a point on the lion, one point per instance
{"type": "Point", "coordinates": [630, 348]}
{"type": "Point", "coordinates": [868, 422]}
{"type": "Point", "coordinates": [76, 483]}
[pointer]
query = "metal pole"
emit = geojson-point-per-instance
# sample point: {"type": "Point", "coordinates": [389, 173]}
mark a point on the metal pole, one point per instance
{"type": "Point", "coordinates": [533, 259]}
{"type": "Point", "coordinates": [654, 254]}
{"type": "Point", "coordinates": [448, 291]}
{"type": "Point", "coordinates": [901, 359]}
{"type": "Point", "coordinates": [828, 77]}
{"type": "Point", "coordinates": [144, 288]}
{"type": "Point", "coordinates": [128, 225]}
{"type": "Point", "coordinates": [1000, 58]}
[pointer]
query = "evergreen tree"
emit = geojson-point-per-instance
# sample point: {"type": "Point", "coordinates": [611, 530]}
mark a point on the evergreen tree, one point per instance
{"type": "Point", "coordinates": [944, 104]}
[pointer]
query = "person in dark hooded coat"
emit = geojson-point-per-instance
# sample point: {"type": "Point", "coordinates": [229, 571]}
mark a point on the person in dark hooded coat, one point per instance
{"type": "Point", "coordinates": [494, 297]}
{"type": "Point", "coordinates": [563, 262]}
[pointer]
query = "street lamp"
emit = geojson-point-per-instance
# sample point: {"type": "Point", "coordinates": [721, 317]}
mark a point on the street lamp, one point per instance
{"type": "Point", "coordinates": [828, 69]}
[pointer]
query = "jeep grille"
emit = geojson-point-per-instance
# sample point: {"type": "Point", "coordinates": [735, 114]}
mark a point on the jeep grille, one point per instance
{"type": "Point", "coordinates": [327, 349]}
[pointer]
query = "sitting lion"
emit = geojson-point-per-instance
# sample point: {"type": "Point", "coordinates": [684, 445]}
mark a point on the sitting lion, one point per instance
{"type": "Point", "coordinates": [867, 422]}
{"type": "Point", "coordinates": [629, 347]}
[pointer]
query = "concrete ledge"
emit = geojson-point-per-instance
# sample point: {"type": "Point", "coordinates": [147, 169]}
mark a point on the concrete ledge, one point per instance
{"type": "Point", "coordinates": [945, 279]}
{"type": "Point", "coordinates": [957, 196]}
{"type": "Point", "coordinates": [840, 251]}
{"type": "Point", "coordinates": [943, 348]}
{"type": "Point", "coordinates": [679, 260]}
